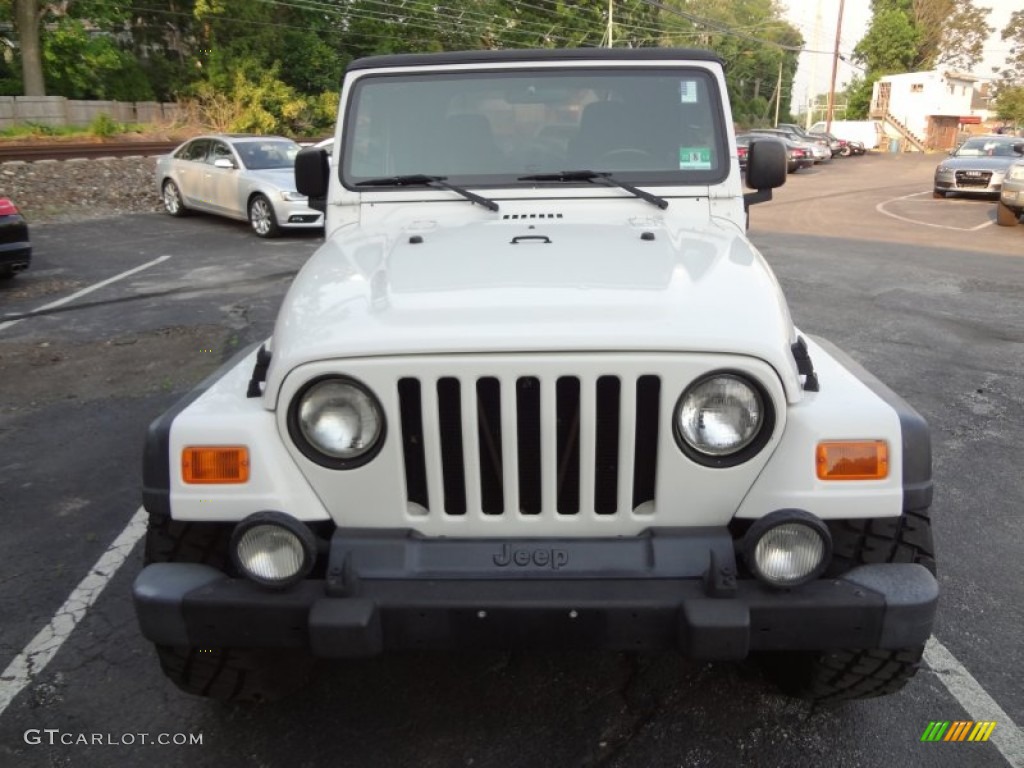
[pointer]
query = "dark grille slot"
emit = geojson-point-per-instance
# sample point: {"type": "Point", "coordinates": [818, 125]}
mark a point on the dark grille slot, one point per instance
{"type": "Point", "coordinates": [449, 415]}
{"type": "Point", "coordinates": [488, 398]}
{"type": "Point", "coordinates": [606, 452]}
{"type": "Point", "coordinates": [411, 408]}
{"type": "Point", "coordinates": [648, 393]}
{"type": "Point", "coordinates": [567, 391]}
{"type": "Point", "coordinates": [528, 439]}
{"type": "Point", "coordinates": [973, 178]}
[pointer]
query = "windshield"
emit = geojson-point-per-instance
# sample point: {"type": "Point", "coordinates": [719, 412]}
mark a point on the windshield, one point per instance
{"type": "Point", "coordinates": [264, 154]}
{"type": "Point", "coordinates": [987, 148]}
{"type": "Point", "coordinates": [655, 125]}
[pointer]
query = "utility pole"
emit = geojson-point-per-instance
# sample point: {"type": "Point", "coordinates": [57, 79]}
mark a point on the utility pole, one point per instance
{"type": "Point", "coordinates": [778, 94]}
{"type": "Point", "coordinates": [812, 97]}
{"type": "Point", "coordinates": [835, 67]}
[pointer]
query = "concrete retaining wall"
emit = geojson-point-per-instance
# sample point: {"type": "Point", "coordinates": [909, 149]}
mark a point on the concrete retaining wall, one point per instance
{"type": "Point", "coordinates": [56, 111]}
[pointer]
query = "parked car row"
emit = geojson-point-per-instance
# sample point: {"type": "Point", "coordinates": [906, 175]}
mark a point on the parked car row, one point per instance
{"type": "Point", "coordinates": [986, 166]}
{"type": "Point", "coordinates": [252, 178]}
{"type": "Point", "coordinates": [803, 149]}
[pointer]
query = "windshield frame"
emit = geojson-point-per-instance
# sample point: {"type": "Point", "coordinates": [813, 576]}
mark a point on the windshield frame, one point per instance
{"type": "Point", "coordinates": [510, 178]}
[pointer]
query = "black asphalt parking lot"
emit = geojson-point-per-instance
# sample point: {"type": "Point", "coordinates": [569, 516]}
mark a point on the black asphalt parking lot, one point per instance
{"type": "Point", "coordinates": [937, 314]}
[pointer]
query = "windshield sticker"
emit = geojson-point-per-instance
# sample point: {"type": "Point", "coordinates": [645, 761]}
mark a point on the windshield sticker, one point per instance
{"type": "Point", "coordinates": [688, 91]}
{"type": "Point", "coordinates": [695, 158]}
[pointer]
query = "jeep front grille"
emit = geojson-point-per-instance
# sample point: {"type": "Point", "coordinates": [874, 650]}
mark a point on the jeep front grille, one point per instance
{"type": "Point", "coordinates": [564, 445]}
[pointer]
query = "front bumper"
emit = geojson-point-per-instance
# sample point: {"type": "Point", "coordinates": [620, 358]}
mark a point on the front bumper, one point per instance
{"type": "Point", "coordinates": [297, 214]}
{"type": "Point", "coordinates": [947, 182]}
{"type": "Point", "coordinates": [669, 588]}
{"type": "Point", "coordinates": [1012, 194]}
{"type": "Point", "coordinates": [15, 256]}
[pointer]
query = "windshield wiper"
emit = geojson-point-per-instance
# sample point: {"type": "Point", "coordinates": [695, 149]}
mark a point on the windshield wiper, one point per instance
{"type": "Point", "coordinates": [598, 176]}
{"type": "Point", "coordinates": [422, 180]}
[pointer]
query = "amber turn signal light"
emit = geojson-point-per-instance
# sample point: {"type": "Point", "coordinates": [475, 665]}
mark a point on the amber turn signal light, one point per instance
{"type": "Point", "coordinates": [215, 464]}
{"type": "Point", "coordinates": [853, 460]}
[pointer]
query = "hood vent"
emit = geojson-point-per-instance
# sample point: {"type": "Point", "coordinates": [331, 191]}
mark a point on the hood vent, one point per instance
{"type": "Point", "coordinates": [524, 216]}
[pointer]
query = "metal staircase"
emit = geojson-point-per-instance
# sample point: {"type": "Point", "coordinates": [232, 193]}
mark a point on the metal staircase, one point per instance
{"type": "Point", "coordinates": [905, 133]}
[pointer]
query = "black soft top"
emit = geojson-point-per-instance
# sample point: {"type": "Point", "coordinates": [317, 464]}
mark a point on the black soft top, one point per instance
{"type": "Point", "coordinates": [526, 55]}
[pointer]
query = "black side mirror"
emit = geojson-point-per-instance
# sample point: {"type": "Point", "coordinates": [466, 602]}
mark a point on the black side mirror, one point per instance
{"type": "Point", "coordinates": [312, 176]}
{"type": "Point", "coordinates": [766, 169]}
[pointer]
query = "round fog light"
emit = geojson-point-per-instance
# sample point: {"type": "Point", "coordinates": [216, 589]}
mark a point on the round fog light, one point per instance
{"type": "Point", "coordinates": [273, 549]}
{"type": "Point", "coordinates": [787, 548]}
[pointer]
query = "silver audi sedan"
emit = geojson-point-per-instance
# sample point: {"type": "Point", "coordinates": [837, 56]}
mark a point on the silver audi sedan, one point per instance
{"type": "Point", "coordinates": [978, 166]}
{"type": "Point", "coordinates": [239, 176]}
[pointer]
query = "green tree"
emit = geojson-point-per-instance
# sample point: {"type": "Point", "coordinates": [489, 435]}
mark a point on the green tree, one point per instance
{"type": "Point", "coordinates": [914, 35]}
{"type": "Point", "coordinates": [163, 40]}
{"type": "Point", "coordinates": [752, 38]}
{"type": "Point", "coordinates": [858, 97]}
{"type": "Point", "coordinates": [963, 35]}
{"type": "Point", "coordinates": [1013, 32]}
{"type": "Point", "coordinates": [1010, 104]}
{"type": "Point", "coordinates": [890, 45]}
{"type": "Point", "coordinates": [82, 65]}
{"type": "Point", "coordinates": [27, 20]}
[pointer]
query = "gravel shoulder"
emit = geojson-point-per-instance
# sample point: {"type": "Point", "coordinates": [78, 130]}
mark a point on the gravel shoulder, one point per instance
{"type": "Point", "coordinates": [64, 191]}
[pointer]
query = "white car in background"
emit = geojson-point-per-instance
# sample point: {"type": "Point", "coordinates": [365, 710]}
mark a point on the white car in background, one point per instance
{"type": "Point", "coordinates": [239, 176]}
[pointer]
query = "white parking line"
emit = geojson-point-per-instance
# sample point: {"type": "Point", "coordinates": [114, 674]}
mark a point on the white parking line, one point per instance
{"type": "Point", "coordinates": [881, 209]}
{"type": "Point", "coordinates": [44, 646]}
{"type": "Point", "coordinates": [89, 289]}
{"type": "Point", "coordinates": [975, 700]}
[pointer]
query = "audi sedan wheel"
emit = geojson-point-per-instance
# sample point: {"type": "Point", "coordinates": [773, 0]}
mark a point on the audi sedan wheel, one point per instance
{"type": "Point", "coordinates": [261, 217]}
{"type": "Point", "coordinates": [172, 199]}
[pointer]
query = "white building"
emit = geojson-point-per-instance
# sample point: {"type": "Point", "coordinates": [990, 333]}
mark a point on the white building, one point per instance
{"type": "Point", "coordinates": [928, 109]}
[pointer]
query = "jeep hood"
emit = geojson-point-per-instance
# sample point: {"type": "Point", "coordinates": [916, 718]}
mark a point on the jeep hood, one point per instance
{"type": "Point", "coordinates": [533, 287]}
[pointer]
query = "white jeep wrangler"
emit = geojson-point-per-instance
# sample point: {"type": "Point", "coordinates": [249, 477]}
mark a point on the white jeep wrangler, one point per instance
{"type": "Point", "coordinates": [537, 388]}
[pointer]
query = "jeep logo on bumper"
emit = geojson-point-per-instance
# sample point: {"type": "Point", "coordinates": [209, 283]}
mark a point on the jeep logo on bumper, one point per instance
{"type": "Point", "coordinates": [543, 558]}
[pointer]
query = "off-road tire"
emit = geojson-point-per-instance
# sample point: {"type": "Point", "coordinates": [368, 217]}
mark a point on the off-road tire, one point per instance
{"type": "Point", "coordinates": [844, 674]}
{"type": "Point", "coordinates": [1006, 216]}
{"type": "Point", "coordinates": [249, 675]}
{"type": "Point", "coordinates": [174, 541]}
{"type": "Point", "coordinates": [254, 675]}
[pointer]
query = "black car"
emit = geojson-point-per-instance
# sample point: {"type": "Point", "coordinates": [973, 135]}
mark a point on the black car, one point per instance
{"type": "Point", "coordinates": [797, 156]}
{"type": "Point", "coordinates": [847, 147]}
{"type": "Point", "coordinates": [15, 248]}
{"type": "Point", "coordinates": [799, 134]}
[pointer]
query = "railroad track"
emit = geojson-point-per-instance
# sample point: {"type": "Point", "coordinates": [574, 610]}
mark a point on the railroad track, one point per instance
{"type": "Point", "coordinates": [67, 150]}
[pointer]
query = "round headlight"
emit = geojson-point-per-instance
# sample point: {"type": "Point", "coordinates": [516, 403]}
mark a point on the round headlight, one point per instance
{"type": "Point", "coordinates": [337, 422]}
{"type": "Point", "coordinates": [720, 415]}
{"type": "Point", "coordinates": [787, 548]}
{"type": "Point", "coordinates": [273, 549]}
